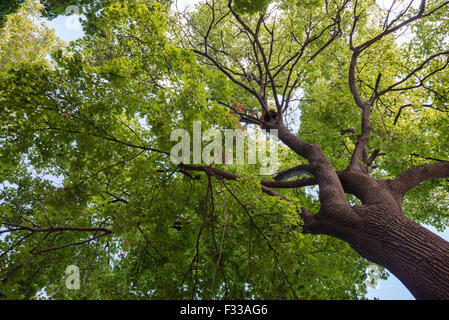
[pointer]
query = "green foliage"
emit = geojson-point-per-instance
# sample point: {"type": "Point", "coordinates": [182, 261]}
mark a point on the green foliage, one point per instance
{"type": "Point", "coordinates": [51, 8]}
{"type": "Point", "coordinates": [251, 6]}
{"type": "Point", "coordinates": [24, 38]}
{"type": "Point", "coordinates": [7, 7]}
{"type": "Point", "coordinates": [81, 134]}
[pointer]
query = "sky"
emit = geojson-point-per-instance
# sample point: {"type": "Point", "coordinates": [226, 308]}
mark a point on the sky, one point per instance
{"type": "Point", "coordinates": [68, 29]}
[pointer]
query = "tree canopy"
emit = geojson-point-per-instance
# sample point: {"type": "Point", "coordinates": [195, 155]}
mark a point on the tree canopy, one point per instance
{"type": "Point", "coordinates": [87, 177]}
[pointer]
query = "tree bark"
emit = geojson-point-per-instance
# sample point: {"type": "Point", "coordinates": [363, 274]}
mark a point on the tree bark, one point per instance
{"type": "Point", "coordinates": [415, 255]}
{"type": "Point", "coordinates": [380, 232]}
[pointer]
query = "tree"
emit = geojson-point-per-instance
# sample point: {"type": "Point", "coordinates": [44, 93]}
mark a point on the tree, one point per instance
{"type": "Point", "coordinates": [25, 38]}
{"type": "Point", "coordinates": [51, 8]}
{"type": "Point", "coordinates": [86, 153]}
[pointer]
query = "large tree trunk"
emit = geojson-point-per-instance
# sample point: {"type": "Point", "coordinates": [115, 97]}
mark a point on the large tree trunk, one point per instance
{"type": "Point", "coordinates": [416, 256]}
{"type": "Point", "coordinates": [377, 229]}
{"type": "Point", "coordinates": [380, 232]}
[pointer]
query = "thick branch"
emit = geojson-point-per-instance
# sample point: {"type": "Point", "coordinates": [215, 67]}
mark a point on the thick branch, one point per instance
{"type": "Point", "coordinates": [362, 140]}
{"type": "Point", "coordinates": [416, 175]}
{"type": "Point", "coordinates": [331, 190]}
{"type": "Point", "coordinates": [293, 172]}
{"type": "Point", "coordinates": [265, 185]}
